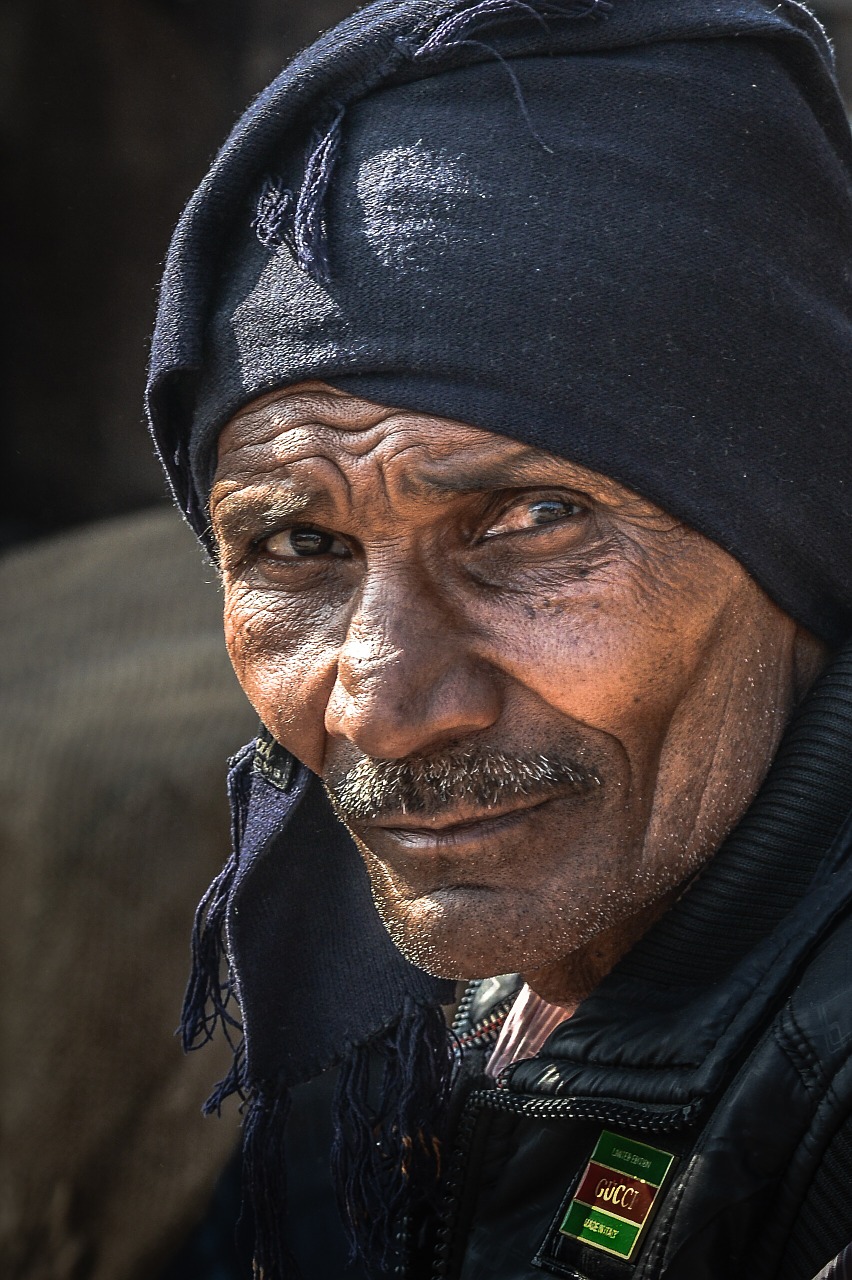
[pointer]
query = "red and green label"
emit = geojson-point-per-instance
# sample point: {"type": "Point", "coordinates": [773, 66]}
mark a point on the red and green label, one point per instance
{"type": "Point", "coordinates": [616, 1194]}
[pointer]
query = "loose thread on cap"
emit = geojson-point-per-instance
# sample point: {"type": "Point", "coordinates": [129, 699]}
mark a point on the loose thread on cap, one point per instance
{"type": "Point", "coordinates": [518, 91]}
{"type": "Point", "coordinates": [309, 224]}
{"type": "Point", "coordinates": [458, 31]}
{"type": "Point", "coordinates": [455, 29]}
{"type": "Point", "coordinates": [274, 209]}
{"type": "Point", "coordinates": [277, 207]}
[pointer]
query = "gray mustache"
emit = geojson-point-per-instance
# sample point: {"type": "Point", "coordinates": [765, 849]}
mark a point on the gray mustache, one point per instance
{"type": "Point", "coordinates": [483, 778]}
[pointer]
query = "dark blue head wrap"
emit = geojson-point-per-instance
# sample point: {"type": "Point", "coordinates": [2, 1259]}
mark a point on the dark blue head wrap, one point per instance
{"type": "Point", "coordinates": [617, 231]}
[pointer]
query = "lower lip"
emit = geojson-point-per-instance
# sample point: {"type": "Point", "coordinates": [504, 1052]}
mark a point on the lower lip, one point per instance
{"type": "Point", "coordinates": [464, 832]}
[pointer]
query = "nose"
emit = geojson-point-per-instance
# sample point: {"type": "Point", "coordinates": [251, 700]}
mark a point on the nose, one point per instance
{"type": "Point", "coordinates": [408, 677]}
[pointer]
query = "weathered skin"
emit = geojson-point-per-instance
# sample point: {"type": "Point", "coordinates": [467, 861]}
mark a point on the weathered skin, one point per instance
{"type": "Point", "coordinates": [399, 586]}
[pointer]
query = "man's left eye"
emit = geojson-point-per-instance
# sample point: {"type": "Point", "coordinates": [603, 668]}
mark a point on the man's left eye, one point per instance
{"type": "Point", "coordinates": [526, 515]}
{"type": "Point", "coordinates": [301, 542]}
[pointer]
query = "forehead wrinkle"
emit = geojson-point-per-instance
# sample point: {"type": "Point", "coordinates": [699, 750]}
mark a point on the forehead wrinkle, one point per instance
{"type": "Point", "coordinates": [360, 427]}
{"type": "Point", "coordinates": [314, 406]}
{"type": "Point", "coordinates": [431, 467]}
{"type": "Point", "coordinates": [292, 457]}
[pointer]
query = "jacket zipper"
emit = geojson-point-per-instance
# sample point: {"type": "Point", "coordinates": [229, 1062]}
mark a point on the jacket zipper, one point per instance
{"type": "Point", "coordinates": [487, 1030]}
{"type": "Point", "coordinates": [603, 1110]}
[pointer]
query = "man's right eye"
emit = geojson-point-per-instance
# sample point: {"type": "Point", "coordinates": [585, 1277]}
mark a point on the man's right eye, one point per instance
{"type": "Point", "coordinates": [302, 541]}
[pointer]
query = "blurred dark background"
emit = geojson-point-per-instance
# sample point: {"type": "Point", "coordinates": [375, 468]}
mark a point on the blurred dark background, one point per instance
{"type": "Point", "coordinates": [111, 110]}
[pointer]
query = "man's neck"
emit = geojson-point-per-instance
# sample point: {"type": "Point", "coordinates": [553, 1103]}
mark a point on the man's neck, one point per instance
{"type": "Point", "coordinates": [575, 976]}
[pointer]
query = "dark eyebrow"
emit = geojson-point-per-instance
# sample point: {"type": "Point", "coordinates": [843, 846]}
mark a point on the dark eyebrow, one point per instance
{"type": "Point", "coordinates": [256, 510]}
{"type": "Point", "coordinates": [480, 477]}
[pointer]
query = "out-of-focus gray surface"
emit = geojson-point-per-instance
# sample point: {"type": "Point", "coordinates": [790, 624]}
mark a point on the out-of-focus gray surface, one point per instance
{"type": "Point", "coordinates": [118, 709]}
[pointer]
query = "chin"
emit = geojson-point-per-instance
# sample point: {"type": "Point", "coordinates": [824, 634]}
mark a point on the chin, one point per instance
{"type": "Point", "coordinates": [470, 933]}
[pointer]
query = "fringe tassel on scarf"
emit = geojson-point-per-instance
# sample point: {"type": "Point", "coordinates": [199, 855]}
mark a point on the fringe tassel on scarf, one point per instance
{"type": "Point", "coordinates": [209, 994]}
{"type": "Point", "coordinates": [389, 1116]}
{"type": "Point", "coordinates": [389, 1113]}
{"type": "Point", "coordinates": [265, 1184]}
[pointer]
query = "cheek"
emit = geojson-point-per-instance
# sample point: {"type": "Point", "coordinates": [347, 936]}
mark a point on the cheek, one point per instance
{"type": "Point", "coordinates": [603, 665]}
{"type": "Point", "coordinates": [285, 660]}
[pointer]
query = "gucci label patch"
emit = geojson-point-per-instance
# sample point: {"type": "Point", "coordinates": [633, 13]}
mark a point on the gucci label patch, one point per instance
{"type": "Point", "coordinates": [616, 1194]}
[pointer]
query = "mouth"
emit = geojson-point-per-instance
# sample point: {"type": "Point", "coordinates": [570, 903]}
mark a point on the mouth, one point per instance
{"type": "Point", "coordinates": [443, 832]}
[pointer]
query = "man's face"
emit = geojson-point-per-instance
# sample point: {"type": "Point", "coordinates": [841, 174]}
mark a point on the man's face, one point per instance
{"type": "Point", "coordinates": [538, 701]}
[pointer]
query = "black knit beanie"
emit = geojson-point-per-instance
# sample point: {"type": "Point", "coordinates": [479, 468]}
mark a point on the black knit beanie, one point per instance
{"type": "Point", "coordinates": [617, 231]}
